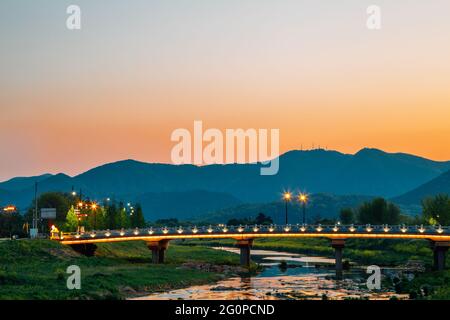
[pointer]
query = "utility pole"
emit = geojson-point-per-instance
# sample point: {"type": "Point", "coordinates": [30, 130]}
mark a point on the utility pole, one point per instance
{"type": "Point", "coordinates": [35, 213]}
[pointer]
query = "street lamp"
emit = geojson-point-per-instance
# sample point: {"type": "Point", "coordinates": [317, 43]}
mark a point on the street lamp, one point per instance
{"type": "Point", "coordinates": [303, 198]}
{"type": "Point", "coordinates": [287, 196]}
{"type": "Point", "coordinates": [94, 208]}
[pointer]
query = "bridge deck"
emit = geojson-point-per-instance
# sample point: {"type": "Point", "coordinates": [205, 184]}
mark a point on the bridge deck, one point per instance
{"type": "Point", "coordinates": [440, 234]}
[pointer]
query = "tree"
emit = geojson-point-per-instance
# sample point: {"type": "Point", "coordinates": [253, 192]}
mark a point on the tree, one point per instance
{"type": "Point", "coordinates": [436, 210]}
{"type": "Point", "coordinates": [96, 218]}
{"type": "Point", "coordinates": [347, 216]}
{"type": "Point", "coordinates": [11, 224]}
{"type": "Point", "coordinates": [60, 201]}
{"type": "Point", "coordinates": [137, 219]}
{"type": "Point", "coordinates": [122, 219]}
{"type": "Point", "coordinates": [261, 218]}
{"type": "Point", "coordinates": [379, 211]}
{"type": "Point", "coordinates": [71, 221]}
{"type": "Point", "coordinates": [111, 217]}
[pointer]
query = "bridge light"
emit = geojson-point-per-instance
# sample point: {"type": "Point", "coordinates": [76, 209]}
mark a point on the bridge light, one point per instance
{"type": "Point", "coordinates": [439, 229]}
{"type": "Point", "coordinates": [165, 230]}
{"type": "Point", "coordinates": [225, 229]}
{"type": "Point", "coordinates": [319, 228]}
{"type": "Point", "coordinates": [352, 228]}
{"type": "Point", "coordinates": [136, 231]}
{"type": "Point", "coordinates": [403, 229]}
{"type": "Point", "coordinates": [210, 229]}
{"type": "Point", "coordinates": [271, 229]}
{"type": "Point", "coordinates": [122, 232]}
{"type": "Point", "coordinates": [180, 230]}
{"type": "Point", "coordinates": [287, 228]}
{"type": "Point", "coordinates": [77, 236]}
{"type": "Point", "coordinates": [151, 231]}
{"type": "Point", "coordinates": [240, 229]}
{"type": "Point", "coordinates": [93, 235]}
{"type": "Point", "coordinates": [421, 229]}
{"type": "Point", "coordinates": [194, 230]}
{"type": "Point", "coordinates": [386, 228]}
{"type": "Point", "coordinates": [107, 233]}
{"type": "Point", "coordinates": [335, 229]}
{"type": "Point", "coordinates": [255, 229]}
{"type": "Point", "coordinates": [369, 228]}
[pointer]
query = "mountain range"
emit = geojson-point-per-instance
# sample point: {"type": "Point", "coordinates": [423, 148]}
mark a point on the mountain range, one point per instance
{"type": "Point", "coordinates": [440, 184]}
{"type": "Point", "coordinates": [188, 190]}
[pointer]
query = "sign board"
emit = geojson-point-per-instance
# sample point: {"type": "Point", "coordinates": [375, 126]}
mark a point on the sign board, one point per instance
{"type": "Point", "coordinates": [33, 233]}
{"type": "Point", "coordinates": [48, 213]}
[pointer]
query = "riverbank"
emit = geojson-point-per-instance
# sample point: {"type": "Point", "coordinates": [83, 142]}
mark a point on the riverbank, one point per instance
{"type": "Point", "coordinates": [36, 269]}
{"type": "Point", "coordinates": [381, 252]}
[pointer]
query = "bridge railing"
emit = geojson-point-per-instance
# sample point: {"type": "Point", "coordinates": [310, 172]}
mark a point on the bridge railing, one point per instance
{"type": "Point", "coordinates": [260, 229]}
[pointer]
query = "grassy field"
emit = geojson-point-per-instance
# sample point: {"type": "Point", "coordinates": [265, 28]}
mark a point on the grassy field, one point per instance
{"type": "Point", "coordinates": [37, 270]}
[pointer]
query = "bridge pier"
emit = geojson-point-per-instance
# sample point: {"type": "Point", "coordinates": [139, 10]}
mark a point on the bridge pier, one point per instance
{"type": "Point", "coordinates": [338, 245]}
{"type": "Point", "coordinates": [440, 248]}
{"type": "Point", "coordinates": [245, 246]}
{"type": "Point", "coordinates": [158, 249]}
{"type": "Point", "coordinates": [87, 249]}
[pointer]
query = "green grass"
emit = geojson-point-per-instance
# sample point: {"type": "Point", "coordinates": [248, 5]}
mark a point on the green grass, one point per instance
{"type": "Point", "coordinates": [433, 285]}
{"type": "Point", "coordinates": [36, 269]}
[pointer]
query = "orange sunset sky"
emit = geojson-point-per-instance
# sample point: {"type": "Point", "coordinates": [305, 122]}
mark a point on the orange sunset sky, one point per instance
{"type": "Point", "coordinates": [137, 70]}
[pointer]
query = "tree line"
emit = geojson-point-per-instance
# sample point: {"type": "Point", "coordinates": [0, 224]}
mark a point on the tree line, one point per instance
{"type": "Point", "coordinates": [106, 215]}
{"type": "Point", "coordinates": [117, 215]}
{"type": "Point", "coordinates": [435, 211]}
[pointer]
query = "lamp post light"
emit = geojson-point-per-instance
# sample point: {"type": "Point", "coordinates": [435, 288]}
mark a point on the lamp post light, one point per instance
{"type": "Point", "coordinates": [287, 196]}
{"type": "Point", "coordinates": [303, 198]}
{"type": "Point", "coordinates": [94, 209]}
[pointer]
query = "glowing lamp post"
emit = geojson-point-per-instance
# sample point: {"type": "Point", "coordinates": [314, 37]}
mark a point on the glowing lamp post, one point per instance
{"type": "Point", "coordinates": [94, 209]}
{"type": "Point", "coordinates": [287, 198]}
{"type": "Point", "coordinates": [303, 198]}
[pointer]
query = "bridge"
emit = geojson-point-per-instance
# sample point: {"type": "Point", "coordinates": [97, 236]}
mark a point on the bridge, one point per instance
{"type": "Point", "coordinates": [158, 239]}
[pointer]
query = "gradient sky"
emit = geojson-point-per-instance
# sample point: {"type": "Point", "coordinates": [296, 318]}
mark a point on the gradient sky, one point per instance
{"type": "Point", "coordinates": [71, 100]}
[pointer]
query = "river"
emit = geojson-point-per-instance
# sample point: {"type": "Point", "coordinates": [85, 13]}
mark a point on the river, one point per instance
{"type": "Point", "coordinates": [305, 277]}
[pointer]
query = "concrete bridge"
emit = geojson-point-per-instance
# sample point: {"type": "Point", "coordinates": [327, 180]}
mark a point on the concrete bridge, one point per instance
{"type": "Point", "coordinates": [157, 239]}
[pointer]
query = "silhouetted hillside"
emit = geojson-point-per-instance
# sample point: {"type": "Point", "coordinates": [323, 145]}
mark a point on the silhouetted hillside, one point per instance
{"type": "Point", "coordinates": [183, 205]}
{"type": "Point", "coordinates": [21, 183]}
{"type": "Point", "coordinates": [369, 172]}
{"type": "Point", "coordinates": [438, 185]}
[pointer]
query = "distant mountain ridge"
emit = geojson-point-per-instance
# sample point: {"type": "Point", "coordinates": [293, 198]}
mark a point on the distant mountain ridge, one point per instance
{"type": "Point", "coordinates": [21, 183]}
{"type": "Point", "coordinates": [184, 205]}
{"type": "Point", "coordinates": [439, 185]}
{"type": "Point", "coordinates": [369, 172]}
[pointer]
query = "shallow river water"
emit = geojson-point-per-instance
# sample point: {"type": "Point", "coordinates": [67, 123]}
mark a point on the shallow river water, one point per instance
{"type": "Point", "coordinates": [305, 278]}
